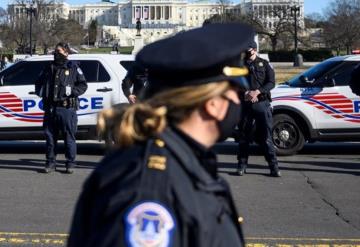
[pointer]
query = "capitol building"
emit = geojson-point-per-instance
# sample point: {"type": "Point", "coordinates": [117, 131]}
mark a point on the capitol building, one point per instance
{"type": "Point", "coordinates": [159, 18]}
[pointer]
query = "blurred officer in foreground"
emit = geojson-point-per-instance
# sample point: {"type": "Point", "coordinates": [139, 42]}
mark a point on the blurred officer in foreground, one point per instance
{"type": "Point", "coordinates": [134, 82]}
{"type": "Point", "coordinates": [257, 107]}
{"type": "Point", "coordinates": [161, 187]}
{"type": "Point", "coordinates": [59, 86]}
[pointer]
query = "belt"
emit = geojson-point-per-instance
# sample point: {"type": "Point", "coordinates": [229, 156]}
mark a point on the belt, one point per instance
{"type": "Point", "coordinates": [62, 103]}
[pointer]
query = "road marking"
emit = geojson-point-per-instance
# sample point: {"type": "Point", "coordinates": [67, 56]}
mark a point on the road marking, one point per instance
{"type": "Point", "coordinates": [59, 239]}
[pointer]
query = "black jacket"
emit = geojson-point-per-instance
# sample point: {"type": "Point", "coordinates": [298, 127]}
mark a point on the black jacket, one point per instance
{"type": "Point", "coordinates": [135, 79]}
{"type": "Point", "coordinates": [187, 205]}
{"type": "Point", "coordinates": [355, 81]}
{"type": "Point", "coordinates": [51, 85]}
{"type": "Point", "coordinates": [261, 76]}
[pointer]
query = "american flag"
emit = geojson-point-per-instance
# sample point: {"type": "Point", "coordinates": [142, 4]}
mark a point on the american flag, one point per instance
{"type": "Point", "coordinates": [137, 12]}
{"type": "Point", "coordinates": [146, 13]}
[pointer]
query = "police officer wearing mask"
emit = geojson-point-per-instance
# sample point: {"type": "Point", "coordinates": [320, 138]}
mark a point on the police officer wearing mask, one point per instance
{"type": "Point", "coordinates": [161, 187]}
{"type": "Point", "coordinates": [134, 82]}
{"type": "Point", "coordinates": [257, 107]}
{"type": "Point", "coordinates": [59, 86]}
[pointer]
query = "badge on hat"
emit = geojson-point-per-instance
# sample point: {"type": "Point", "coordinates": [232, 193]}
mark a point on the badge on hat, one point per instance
{"type": "Point", "coordinates": [261, 64]}
{"type": "Point", "coordinates": [149, 224]}
{"type": "Point", "coordinates": [80, 71]}
{"type": "Point", "coordinates": [67, 72]}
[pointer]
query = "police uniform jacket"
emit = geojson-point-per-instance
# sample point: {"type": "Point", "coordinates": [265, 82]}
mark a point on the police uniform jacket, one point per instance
{"type": "Point", "coordinates": [51, 85]}
{"type": "Point", "coordinates": [162, 183]}
{"type": "Point", "coordinates": [261, 77]}
{"type": "Point", "coordinates": [135, 79]}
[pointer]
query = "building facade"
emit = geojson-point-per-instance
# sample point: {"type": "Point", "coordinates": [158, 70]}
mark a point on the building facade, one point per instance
{"type": "Point", "coordinates": [159, 18]}
{"type": "Point", "coordinates": [270, 11]}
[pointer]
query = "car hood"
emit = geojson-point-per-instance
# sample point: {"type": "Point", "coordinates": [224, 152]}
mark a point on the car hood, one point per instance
{"type": "Point", "coordinates": [283, 90]}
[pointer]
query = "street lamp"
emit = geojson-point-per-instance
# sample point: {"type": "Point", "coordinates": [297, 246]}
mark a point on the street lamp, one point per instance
{"type": "Point", "coordinates": [294, 12]}
{"type": "Point", "coordinates": [31, 10]}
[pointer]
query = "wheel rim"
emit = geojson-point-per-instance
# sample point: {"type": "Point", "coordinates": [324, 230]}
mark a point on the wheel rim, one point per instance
{"type": "Point", "coordinates": [285, 135]}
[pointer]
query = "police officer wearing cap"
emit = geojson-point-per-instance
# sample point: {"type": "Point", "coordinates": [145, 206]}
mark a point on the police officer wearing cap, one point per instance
{"type": "Point", "coordinates": [256, 102]}
{"type": "Point", "coordinates": [59, 86]}
{"type": "Point", "coordinates": [161, 187]}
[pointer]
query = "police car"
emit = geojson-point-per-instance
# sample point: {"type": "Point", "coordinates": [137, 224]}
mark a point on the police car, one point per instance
{"type": "Point", "coordinates": [317, 105]}
{"type": "Point", "coordinates": [21, 113]}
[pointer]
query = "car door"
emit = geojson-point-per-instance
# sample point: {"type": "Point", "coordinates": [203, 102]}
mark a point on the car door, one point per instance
{"type": "Point", "coordinates": [99, 93]}
{"type": "Point", "coordinates": [19, 106]}
{"type": "Point", "coordinates": [336, 101]}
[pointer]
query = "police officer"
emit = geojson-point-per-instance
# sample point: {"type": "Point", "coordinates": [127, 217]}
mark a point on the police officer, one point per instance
{"type": "Point", "coordinates": [161, 187]}
{"type": "Point", "coordinates": [257, 107]}
{"type": "Point", "coordinates": [134, 82]}
{"type": "Point", "coordinates": [59, 86]}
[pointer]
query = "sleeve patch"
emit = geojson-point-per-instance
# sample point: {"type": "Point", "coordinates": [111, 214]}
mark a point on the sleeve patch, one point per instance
{"type": "Point", "coordinates": [149, 224]}
{"type": "Point", "coordinates": [79, 71]}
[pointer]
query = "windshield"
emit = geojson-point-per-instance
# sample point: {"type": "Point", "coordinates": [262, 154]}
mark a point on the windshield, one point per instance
{"type": "Point", "coordinates": [314, 73]}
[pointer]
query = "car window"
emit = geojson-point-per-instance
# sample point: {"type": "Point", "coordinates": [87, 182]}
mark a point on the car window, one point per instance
{"type": "Point", "coordinates": [23, 73]}
{"type": "Point", "coordinates": [127, 64]}
{"type": "Point", "coordinates": [340, 75]}
{"type": "Point", "coordinates": [313, 74]}
{"type": "Point", "coordinates": [94, 71]}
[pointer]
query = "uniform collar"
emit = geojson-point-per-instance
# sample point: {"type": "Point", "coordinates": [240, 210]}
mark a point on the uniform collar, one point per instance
{"type": "Point", "coordinates": [184, 152]}
{"type": "Point", "coordinates": [68, 64]}
{"type": "Point", "coordinates": [206, 157]}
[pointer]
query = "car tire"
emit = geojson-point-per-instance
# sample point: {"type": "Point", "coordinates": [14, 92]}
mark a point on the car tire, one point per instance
{"type": "Point", "coordinates": [287, 136]}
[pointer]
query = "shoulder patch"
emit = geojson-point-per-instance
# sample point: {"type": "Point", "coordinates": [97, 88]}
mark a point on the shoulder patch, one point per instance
{"type": "Point", "coordinates": [157, 162]}
{"type": "Point", "coordinates": [149, 224]}
{"type": "Point", "coordinates": [261, 64]}
{"type": "Point", "coordinates": [79, 71]}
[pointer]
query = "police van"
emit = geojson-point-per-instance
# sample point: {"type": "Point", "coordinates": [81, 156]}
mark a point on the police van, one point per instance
{"type": "Point", "coordinates": [21, 111]}
{"type": "Point", "coordinates": [317, 105]}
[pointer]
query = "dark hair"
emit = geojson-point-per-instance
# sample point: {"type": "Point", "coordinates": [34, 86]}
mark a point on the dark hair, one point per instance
{"type": "Point", "coordinates": [63, 45]}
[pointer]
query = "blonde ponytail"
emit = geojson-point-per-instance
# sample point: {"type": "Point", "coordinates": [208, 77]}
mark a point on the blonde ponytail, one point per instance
{"type": "Point", "coordinates": [139, 122]}
{"type": "Point", "coordinates": [125, 124]}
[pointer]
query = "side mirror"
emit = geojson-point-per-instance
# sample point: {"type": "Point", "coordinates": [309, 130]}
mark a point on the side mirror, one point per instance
{"type": "Point", "coordinates": [306, 80]}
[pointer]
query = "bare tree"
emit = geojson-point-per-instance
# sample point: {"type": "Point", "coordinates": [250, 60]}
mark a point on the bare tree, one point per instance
{"type": "Point", "coordinates": [342, 24]}
{"type": "Point", "coordinates": [48, 27]}
{"type": "Point", "coordinates": [223, 5]}
{"type": "Point", "coordinates": [281, 25]}
{"type": "Point", "coordinates": [92, 31]}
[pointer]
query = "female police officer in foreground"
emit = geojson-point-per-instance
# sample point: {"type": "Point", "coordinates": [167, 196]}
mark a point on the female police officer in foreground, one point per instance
{"type": "Point", "coordinates": [161, 188]}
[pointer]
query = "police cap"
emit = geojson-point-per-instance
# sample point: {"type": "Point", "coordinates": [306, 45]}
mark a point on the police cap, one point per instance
{"type": "Point", "coordinates": [208, 54]}
{"type": "Point", "coordinates": [253, 45]}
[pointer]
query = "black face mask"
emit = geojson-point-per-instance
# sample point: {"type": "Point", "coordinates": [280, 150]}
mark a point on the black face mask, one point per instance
{"type": "Point", "coordinates": [232, 118]}
{"type": "Point", "coordinates": [248, 55]}
{"type": "Point", "coordinates": [59, 59]}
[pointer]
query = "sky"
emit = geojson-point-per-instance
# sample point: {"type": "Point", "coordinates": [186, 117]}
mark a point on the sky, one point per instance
{"type": "Point", "coordinates": [311, 6]}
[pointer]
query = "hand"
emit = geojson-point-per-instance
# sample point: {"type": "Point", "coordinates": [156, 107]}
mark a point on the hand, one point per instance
{"type": "Point", "coordinates": [132, 98]}
{"type": "Point", "coordinates": [252, 96]}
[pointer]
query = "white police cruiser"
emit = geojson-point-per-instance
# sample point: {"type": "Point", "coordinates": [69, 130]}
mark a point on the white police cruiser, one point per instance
{"type": "Point", "coordinates": [317, 105]}
{"type": "Point", "coordinates": [21, 112]}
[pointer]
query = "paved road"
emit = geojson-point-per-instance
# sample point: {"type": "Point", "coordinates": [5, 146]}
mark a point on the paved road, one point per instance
{"type": "Point", "coordinates": [316, 202]}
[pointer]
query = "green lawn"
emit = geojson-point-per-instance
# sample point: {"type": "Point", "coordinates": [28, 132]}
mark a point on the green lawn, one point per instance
{"type": "Point", "coordinates": [283, 74]}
